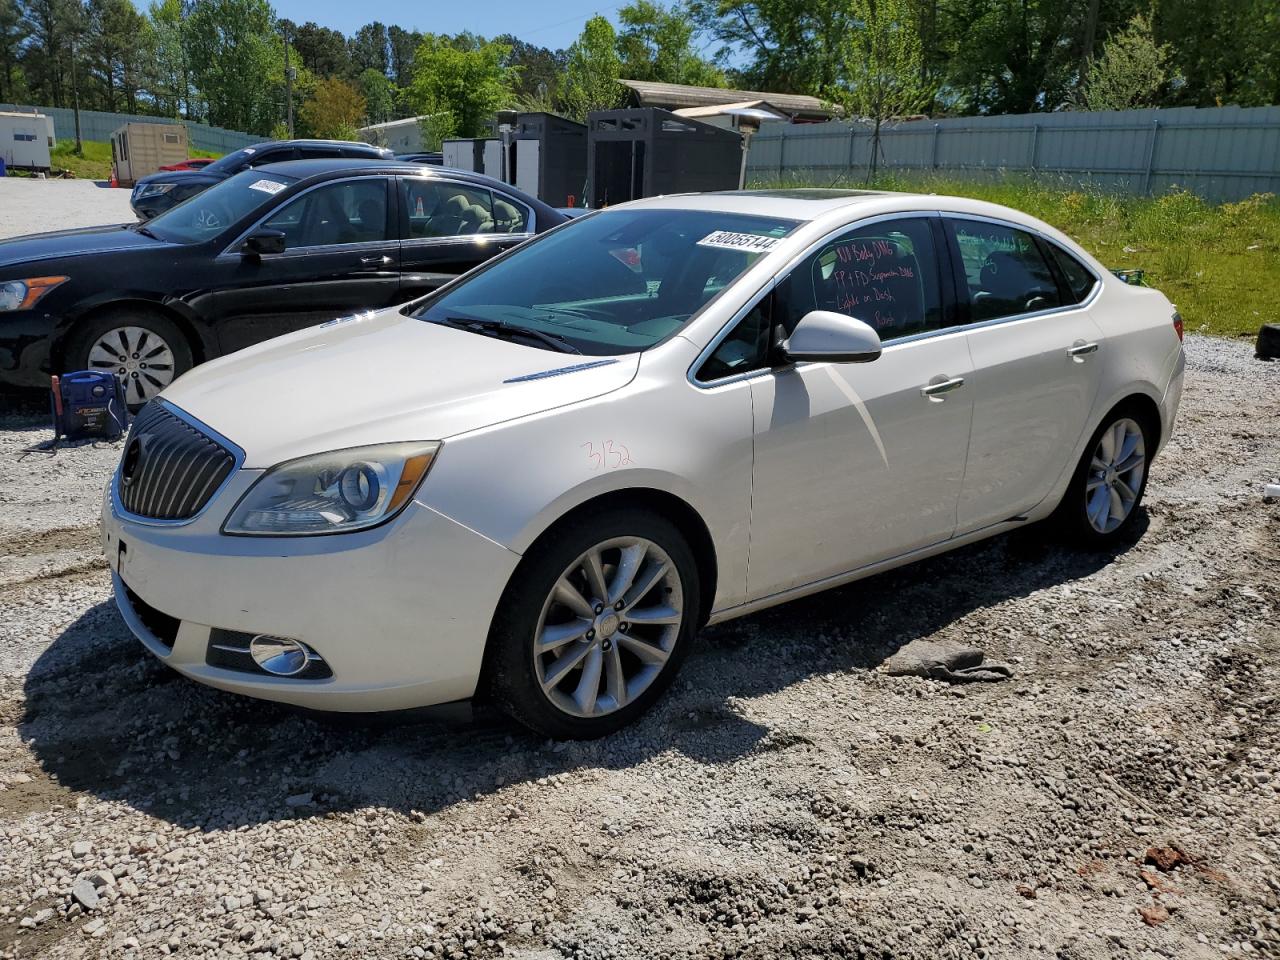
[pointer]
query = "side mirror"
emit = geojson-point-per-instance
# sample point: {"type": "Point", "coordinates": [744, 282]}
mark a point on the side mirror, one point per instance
{"type": "Point", "coordinates": [263, 242]}
{"type": "Point", "coordinates": [824, 335]}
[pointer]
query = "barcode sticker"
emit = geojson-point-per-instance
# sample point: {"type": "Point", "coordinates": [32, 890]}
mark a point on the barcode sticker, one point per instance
{"type": "Point", "coordinates": [267, 186]}
{"type": "Point", "coordinates": [746, 242]}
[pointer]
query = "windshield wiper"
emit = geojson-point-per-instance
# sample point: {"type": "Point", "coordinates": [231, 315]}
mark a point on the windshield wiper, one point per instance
{"type": "Point", "coordinates": [146, 231]}
{"type": "Point", "coordinates": [500, 328]}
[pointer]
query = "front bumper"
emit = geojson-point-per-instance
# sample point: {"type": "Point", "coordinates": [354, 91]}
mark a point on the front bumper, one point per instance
{"type": "Point", "coordinates": [399, 613]}
{"type": "Point", "coordinates": [25, 339]}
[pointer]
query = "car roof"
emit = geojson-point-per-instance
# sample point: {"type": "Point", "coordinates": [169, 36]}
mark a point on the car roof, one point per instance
{"type": "Point", "coordinates": [794, 204]}
{"type": "Point", "coordinates": [301, 169]}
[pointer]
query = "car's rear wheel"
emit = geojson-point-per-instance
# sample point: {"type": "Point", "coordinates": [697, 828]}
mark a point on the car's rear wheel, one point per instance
{"type": "Point", "coordinates": [594, 624]}
{"type": "Point", "coordinates": [142, 347]}
{"type": "Point", "coordinates": [1106, 490]}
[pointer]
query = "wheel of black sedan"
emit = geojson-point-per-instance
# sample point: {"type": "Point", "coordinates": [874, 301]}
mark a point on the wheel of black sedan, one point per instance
{"type": "Point", "coordinates": [594, 624]}
{"type": "Point", "coordinates": [144, 348]}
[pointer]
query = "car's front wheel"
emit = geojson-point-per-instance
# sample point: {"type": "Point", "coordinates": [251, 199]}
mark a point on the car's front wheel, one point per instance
{"type": "Point", "coordinates": [1102, 501]}
{"type": "Point", "coordinates": [594, 624]}
{"type": "Point", "coordinates": [142, 347]}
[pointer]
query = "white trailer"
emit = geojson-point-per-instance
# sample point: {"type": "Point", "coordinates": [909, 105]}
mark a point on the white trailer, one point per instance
{"type": "Point", "coordinates": [25, 141]}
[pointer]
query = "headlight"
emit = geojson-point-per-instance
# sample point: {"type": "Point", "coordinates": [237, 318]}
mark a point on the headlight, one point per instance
{"type": "Point", "coordinates": [25, 294]}
{"type": "Point", "coordinates": [154, 189]}
{"type": "Point", "coordinates": [332, 492]}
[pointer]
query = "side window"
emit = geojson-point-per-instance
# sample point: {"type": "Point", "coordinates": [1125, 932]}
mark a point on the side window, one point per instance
{"type": "Point", "coordinates": [885, 274]}
{"type": "Point", "coordinates": [352, 211]}
{"type": "Point", "coordinates": [744, 349]}
{"type": "Point", "coordinates": [509, 216]}
{"type": "Point", "coordinates": [272, 156]}
{"type": "Point", "coordinates": [1079, 280]}
{"type": "Point", "coordinates": [1004, 270]}
{"type": "Point", "coordinates": [319, 153]}
{"type": "Point", "coordinates": [439, 208]}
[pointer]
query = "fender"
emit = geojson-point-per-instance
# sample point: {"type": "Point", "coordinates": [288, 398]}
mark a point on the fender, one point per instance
{"type": "Point", "coordinates": [202, 342]}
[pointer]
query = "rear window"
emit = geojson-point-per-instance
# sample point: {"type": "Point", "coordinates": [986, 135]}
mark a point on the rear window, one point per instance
{"type": "Point", "coordinates": [1079, 279]}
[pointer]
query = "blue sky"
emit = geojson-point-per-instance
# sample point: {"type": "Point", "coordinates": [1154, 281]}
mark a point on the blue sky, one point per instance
{"type": "Point", "coordinates": [547, 23]}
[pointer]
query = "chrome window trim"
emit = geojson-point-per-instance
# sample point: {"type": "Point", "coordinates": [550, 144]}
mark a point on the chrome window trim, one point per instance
{"type": "Point", "coordinates": [233, 249]}
{"type": "Point", "coordinates": [531, 220]}
{"type": "Point", "coordinates": [459, 239]}
{"type": "Point", "coordinates": [237, 456]}
{"type": "Point", "coordinates": [724, 332]}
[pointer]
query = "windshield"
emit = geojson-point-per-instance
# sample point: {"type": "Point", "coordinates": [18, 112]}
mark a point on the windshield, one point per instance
{"type": "Point", "coordinates": [231, 162]}
{"type": "Point", "coordinates": [211, 211]}
{"type": "Point", "coordinates": [616, 282]}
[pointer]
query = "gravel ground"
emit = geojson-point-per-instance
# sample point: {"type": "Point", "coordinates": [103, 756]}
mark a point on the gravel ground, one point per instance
{"type": "Point", "coordinates": [1120, 797]}
{"type": "Point", "coordinates": [34, 206]}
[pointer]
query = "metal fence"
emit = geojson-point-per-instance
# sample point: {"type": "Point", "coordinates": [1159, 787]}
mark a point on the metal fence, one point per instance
{"type": "Point", "coordinates": [1220, 153]}
{"type": "Point", "coordinates": [99, 125]}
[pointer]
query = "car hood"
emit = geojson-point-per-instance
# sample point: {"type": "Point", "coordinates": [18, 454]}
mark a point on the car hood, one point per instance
{"type": "Point", "coordinates": [378, 378]}
{"type": "Point", "coordinates": [71, 243]}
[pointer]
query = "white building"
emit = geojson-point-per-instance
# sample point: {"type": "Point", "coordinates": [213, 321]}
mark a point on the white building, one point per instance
{"type": "Point", "coordinates": [399, 136]}
{"type": "Point", "coordinates": [25, 141]}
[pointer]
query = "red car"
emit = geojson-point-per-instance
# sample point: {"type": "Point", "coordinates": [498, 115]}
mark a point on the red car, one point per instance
{"type": "Point", "coordinates": [193, 164]}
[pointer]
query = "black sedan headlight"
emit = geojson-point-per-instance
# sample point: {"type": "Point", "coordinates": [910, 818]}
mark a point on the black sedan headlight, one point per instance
{"type": "Point", "coordinates": [26, 293]}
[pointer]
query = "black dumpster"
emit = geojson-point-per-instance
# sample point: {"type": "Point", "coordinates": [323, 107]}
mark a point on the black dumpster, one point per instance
{"type": "Point", "coordinates": [550, 158]}
{"type": "Point", "coordinates": [648, 152]}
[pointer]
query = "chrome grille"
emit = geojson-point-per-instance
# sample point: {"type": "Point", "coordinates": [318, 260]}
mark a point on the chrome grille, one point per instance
{"type": "Point", "coordinates": [170, 469]}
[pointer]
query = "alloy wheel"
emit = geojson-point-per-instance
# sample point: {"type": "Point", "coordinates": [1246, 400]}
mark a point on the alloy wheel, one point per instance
{"type": "Point", "coordinates": [608, 627]}
{"type": "Point", "coordinates": [1115, 475]}
{"type": "Point", "coordinates": [141, 358]}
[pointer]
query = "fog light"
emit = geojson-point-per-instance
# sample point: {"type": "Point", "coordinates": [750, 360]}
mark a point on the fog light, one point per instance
{"type": "Point", "coordinates": [279, 655]}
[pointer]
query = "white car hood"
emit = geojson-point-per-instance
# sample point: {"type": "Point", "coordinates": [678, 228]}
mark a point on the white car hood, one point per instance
{"type": "Point", "coordinates": [378, 378]}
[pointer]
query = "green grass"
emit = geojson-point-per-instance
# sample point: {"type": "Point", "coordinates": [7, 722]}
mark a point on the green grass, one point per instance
{"type": "Point", "coordinates": [1219, 263]}
{"type": "Point", "coordinates": [95, 164]}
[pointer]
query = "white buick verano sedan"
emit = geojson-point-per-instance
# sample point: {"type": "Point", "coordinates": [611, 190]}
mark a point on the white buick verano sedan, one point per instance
{"type": "Point", "coordinates": [540, 481]}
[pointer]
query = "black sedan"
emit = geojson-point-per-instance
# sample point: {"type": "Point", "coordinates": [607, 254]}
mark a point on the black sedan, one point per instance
{"type": "Point", "coordinates": [159, 192]}
{"type": "Point", "coordinates": [268, 251]}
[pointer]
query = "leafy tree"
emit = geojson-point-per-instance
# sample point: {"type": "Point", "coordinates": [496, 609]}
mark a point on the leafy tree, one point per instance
{"type": "Point", "coordinates": [656, 43]}
{"type": "Point", "coordinates": [116, 38]}
{"type": "Point", "coordinates": [535, 69]}
{"type": "Point", "coordinates": [321, 50]}
{"type": "Point", "coordinates": [52, 28]}
{"type": "Point", "coordinates": [169, 76]}
{"type": "Point", "coordinates": [1227, 52]}
{"type": "Point", "coordinates": [237, 62]}
{"type": "Point", "coordinates": [370, 49]}
{"type": "Point", "coordinates": [459, 82]}
{"type": "Point", "coordinates": [881, 65]}
{"type": "Point", "coordinates": [1130, 73]}
{"type": "Point", "coordinates": [334, 111]}
{"type": "Point", "coordinates": [401, 45]}
{"type": "Point", "coordinates": [379, 95]}
{"type": "Point", "coordinates": [13, 33]}
{"type": "Point", "coordinates": [790, 47]}
{"type": "Point", "coordinates": [591, 75]}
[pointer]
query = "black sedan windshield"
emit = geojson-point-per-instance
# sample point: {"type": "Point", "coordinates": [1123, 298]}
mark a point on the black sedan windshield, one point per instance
{"type": "Point", "coordinates": [231, 162]}
{"type": "Point", "coordinates": [210, 212]}
{"type": "Point", "coordinates": [616, 282]}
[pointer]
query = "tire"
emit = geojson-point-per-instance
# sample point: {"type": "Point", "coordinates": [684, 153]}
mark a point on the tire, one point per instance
{"type": "Point", "coordinates": [140, 345]}
{"type": "Point", "coordinates": [1103, 497]}
{"type": "Point", "coordinates": [568, 690]}
{"type": "Point", "coordinates": [1268, 345]}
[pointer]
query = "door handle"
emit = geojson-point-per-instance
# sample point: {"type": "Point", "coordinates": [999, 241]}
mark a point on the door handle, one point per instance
{"type": "Point", "coordinates": [367, 261]}
{"type": "Point", "coordinates": [934, 391]}
{"type": "Point", "coordinates": [1080, 349]}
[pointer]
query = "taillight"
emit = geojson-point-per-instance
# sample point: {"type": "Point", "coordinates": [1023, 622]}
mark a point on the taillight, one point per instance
{"type": "Point", "coordinates": [1177, 323]}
